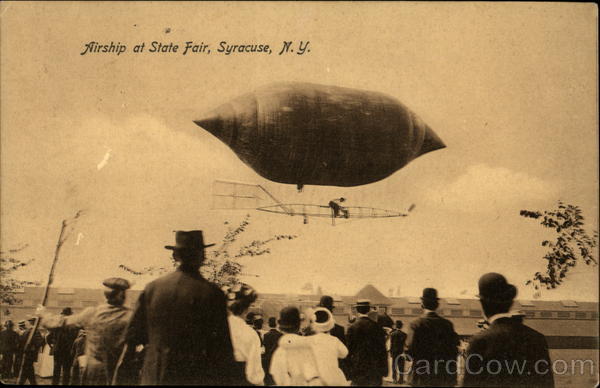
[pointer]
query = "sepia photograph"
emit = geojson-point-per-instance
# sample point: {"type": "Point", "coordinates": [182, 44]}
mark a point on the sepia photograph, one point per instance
{"type": "Point", "coordinates": [299, 193]}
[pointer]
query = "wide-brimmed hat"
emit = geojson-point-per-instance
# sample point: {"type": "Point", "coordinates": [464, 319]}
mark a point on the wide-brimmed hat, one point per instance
{"type": "Point", "coordinates": [321, 320]}
{"type": "Point", "coordinates": [493, 287]}
{"type": "Point", "coordinates": [430, 294]}
{"type": "Point", "coordinates": [363, 302]}
{"type": "Point", "coordinates": [116, 284]}
{"type": "Point", "coordinates": [192, 240]}
{"type": "Point", "coordinates": [289, 318]}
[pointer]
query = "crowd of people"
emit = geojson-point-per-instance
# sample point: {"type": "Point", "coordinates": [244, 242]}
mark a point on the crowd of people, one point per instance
{"type": "Point", "coordinates": [185, 330]}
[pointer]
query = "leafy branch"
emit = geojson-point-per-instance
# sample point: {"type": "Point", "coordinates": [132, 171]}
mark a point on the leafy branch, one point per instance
{"type": "Point", "coordinates": [221, 265]}
{"type": "Point", "coordinates": [8, 265]}
{"type": "Point", "coordinates": [572, 244]}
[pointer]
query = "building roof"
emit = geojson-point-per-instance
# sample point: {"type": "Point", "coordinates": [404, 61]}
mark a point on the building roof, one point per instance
{"type": "Point", "coordinates": [372, 294]}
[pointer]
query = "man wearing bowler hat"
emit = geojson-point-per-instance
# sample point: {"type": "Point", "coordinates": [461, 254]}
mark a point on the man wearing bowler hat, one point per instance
{"type": "Point", "coordinates": [493, 353]}
{"type": "Point", "coordinates": [367, 354]}
{"type": "Point", "coordinates": [104, 324]}
{"type": "Point", "coordinates": [61, 341]}
{"type": "Point", "coordinates": [181, 319]}
{"type": "Point", "coordinates": [338, 330]}
{"type": "Point", "coordinates": [433, 346]}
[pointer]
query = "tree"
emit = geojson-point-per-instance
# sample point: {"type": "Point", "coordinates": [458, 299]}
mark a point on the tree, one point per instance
{"type": "Point", "coordinates": [572, 245]}
{"type": "Point", "coordinates": [8, 285]}
{"type": "Point", "coordinates": [222, 265]}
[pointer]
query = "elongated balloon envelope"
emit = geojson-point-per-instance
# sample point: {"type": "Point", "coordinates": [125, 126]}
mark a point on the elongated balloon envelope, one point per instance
{"type": "Point", "coordinates": [309, 134]}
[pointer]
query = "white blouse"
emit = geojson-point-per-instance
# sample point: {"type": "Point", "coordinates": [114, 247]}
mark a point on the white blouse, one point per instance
{"type": "Point", "coordinates": [246, 348]}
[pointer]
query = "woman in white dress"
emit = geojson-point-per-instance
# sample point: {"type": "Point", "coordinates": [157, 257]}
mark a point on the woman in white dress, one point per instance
{"type": "Point", "coordinates": [245, 340]}
{"type": "Point", "coordinates": [386, 322]}
{"type": "Point", "coordinates": [44, 367]}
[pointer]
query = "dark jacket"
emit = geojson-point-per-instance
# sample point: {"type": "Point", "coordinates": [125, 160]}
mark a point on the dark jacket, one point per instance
{"type": "Point", "coordinates": [78, 348]}
{"type": "Point", "coordinates": [516, 347]}
{"type": "Point", "coordinates": [433, 350]}
{"type": "Point", "coordinates": [397, 342]}
{"type": "Point", "coordinates": [9, 341]}
{"type": "Point", "coordinates": [338, 332]}
{"type": "Point", "coordinates": [367, 355]}
{"type": "Point", "coordinates": [62, 340]}
{"type": "Point", "coordinates": [270, 343]}
{"type": "Point", "coordinates": [37, 341]}
{"type": "Point", "coordinates": [181, 318]}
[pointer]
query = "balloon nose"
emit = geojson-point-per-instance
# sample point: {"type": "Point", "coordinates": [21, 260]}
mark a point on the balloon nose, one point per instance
{"type": "Point", "coordinates": [431, 142]}
{"type": "Point", "coordinates": [213, 124]}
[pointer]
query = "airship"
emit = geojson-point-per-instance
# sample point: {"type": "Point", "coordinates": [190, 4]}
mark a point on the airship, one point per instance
{"type": "Point", "coordinates": [311, 134]}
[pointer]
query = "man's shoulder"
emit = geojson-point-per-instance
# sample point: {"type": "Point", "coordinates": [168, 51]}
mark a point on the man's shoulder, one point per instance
{"type": "Point", "coordinates": [273, 334]}
{"type": "Point", "coordinates": [181, 279]}
{"type": "Point", "coordinates": [418, 322]}
{"type": "Point", "coordinates": [444, 321]}
{"type": "Point", "coordinates": [165, 279]}
{"type": "Point", "coordinates": [520, 330]}
{"type": "Point", "coordinates": [363, 322]}
{"type": "Point", "coordinates": [498, 330]}
{"type": "Point", "coordinates": [532, 332]}
{"type": "Point", "coordinates": [337, 328]}
{"type": "Point", "coordinates": [398, 333]}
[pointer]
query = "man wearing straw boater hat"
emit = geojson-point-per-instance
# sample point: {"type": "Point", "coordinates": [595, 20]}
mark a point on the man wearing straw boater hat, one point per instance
{"type": "Point", "coordinates": [433, 347]}
{"type": "Point", "coordinates": [181, 319]}
{"type": "Point", "coordinates": [493, 353]}
{"type": "Point", "coordinates": [367, 355]}
{"type": "Point", "coordinates": [104, 324]}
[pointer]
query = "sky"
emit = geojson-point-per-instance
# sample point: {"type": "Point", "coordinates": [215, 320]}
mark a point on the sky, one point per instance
{"type": "Point", "coordinates": [510, 88]}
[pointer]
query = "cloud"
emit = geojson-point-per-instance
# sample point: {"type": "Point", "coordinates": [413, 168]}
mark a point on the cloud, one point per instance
{"type": "Point", "coordinates": [485, 188]}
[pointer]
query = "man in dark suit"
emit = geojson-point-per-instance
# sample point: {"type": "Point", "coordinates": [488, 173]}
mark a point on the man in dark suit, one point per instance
{"type": "Point", "coordinates": [508, 353]}
{"type": "Point", "coordinates": [338, 330]}
{"type": "Point", "coordinates": [181, 319]}
{"type": "Point", "coordinates": [9, 344]}
{"type": "Point", "coordinates": [21, 328]}
{"type": "Point", "coordinates": [270, 343]}
{"type": "Point", "coordinates": [397, 342]}
{"type": "Point", "coordinates": [61, 341]}
{"type": "Point", "coordinates": [367, 355]}
{"type": "Point", "coordinates": [433, 347]}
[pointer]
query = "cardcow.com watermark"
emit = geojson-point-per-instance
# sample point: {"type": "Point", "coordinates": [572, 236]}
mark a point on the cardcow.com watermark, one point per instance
{"type": "Point", "coordinates": [495, 367]}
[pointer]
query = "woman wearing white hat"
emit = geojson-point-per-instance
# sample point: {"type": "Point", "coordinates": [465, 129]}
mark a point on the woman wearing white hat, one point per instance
{"type": "Point", "coordinates": [327, 348]}
{"type": "Point", "coordinates": [245, 340]}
